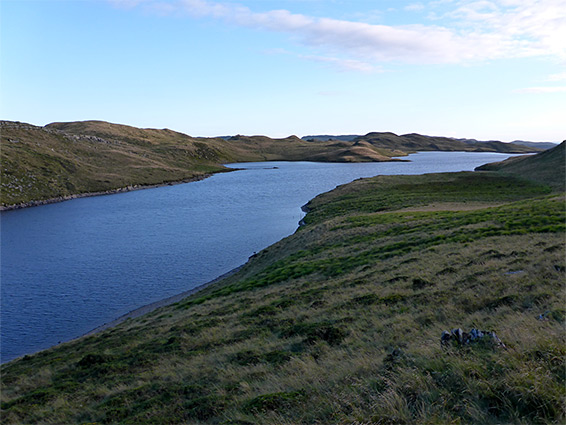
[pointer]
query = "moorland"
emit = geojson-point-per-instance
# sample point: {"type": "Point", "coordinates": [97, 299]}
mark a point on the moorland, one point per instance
{"type": "Point", "coordinates": [341, 322]}
{"type": "Point", "coordinates": [64, 160]}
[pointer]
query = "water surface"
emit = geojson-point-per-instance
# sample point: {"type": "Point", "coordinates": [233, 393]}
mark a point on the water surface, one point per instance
{"type": "Point", "coordinates": [67, 268]}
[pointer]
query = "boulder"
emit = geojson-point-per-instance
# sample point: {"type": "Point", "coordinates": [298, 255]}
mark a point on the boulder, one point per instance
{"type": "Point", "coordinates": [461, 338]}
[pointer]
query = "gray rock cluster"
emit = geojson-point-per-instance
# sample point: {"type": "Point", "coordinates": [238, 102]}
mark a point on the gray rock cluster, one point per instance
{"type": "Point", "coordinates": [461, 338]}
{"type": "Point", "coordinates": [88, 138]}
{"type": "Point", "coordinates": [71, 137]}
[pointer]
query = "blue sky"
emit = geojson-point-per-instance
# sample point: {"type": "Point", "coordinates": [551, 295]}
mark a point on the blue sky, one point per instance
{"type": "Point", "coordinates": [460, 68]}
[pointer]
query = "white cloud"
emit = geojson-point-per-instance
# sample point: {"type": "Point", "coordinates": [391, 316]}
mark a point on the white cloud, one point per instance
{"type": "Point", "coordinates": [476, 11]}
{"type": "Point", "coordinates": [127, 4]}
{"type": "Point", "coordinates": [476, 30]}
{"type": "Point", "coordinates": [535, 27]}
{"type": "Point", "coordinates": [414, 7]}
{"type": "Point", "coordinates": [344, 64]}
{"type": "Point", "coordinates": [557, 77]}
{"type": "Point", "coordinates": [538, 90]}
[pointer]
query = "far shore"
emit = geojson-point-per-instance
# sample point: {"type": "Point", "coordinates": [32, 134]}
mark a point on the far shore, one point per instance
{"type": "Point", "coordinates": [133, 187]}
{"type": "Point", "coordinates": [107, 192]}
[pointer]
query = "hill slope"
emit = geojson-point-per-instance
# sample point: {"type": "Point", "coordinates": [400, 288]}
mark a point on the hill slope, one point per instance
{"type": "Point", "coordinates": [326, 137]}
{"type": "Point", "coordinates": [44, 162]}
{"type": "Point", "coordinates": [417, 142]}
{"type": "Point", "coordinates": [62, 160]}
{"type": "Point", "coordinates": [341, 322]}
{"type": "Point", "coordinates": [543, 145]}
{"type": "Point", "coordinates": [349, 137]}
{"type": "Point", "coordinates": [548, 167]}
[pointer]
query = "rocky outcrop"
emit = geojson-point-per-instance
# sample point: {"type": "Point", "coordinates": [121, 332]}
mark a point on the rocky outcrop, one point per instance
{"type": "Point", "coordinates": [460, 338]}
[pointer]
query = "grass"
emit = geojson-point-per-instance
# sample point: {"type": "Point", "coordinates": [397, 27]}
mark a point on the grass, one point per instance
{"type": "Point", "coordinates": [66, 159]}
{"type": "Point", "coordinates": [340, 323]}
{"type": "Point", "coordinates": [546, 168]}
{"type": "Point", "coordinates": [61, 160]}
{"type": "Point", "coordinates": [41, 163]}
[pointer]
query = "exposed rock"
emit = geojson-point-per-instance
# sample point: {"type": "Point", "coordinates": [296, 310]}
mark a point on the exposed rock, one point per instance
{"type": "Point", "coordinates": [462, 338]}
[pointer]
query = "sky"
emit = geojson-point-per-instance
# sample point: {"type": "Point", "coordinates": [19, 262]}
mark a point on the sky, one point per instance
{"type": "Point", "coordinates": [482, 69]}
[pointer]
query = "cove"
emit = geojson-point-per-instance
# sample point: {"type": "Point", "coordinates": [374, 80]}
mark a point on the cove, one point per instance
{"type": "Point", "coordinates": [70, 267]}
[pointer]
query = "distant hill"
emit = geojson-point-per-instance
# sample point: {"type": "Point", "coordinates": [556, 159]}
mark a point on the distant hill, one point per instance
{"type": "Point", "coordinates": [538, 145]}
{"type": "Point", "coordinates": [547, 167]}
{"type": "Point", "coordinates": [326, 137]}
{"type": "Point", "coordinates": [350, 137]}
{"type": "Point", "coordinates": [542, 145]}
{"type": "Point", "coordinates": [416, 142]}
{"type": "Point", "coordinates": [64, 160]}
{"type": "Point", "coordinates": [69, 159]}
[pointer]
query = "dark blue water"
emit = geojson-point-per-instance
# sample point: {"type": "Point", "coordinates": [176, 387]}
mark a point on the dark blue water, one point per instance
{"type": "Point", "coordinates": [67, 268]}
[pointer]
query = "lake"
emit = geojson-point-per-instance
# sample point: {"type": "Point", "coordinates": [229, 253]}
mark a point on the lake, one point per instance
{"type": "Point", "coordinates": [69, 267]}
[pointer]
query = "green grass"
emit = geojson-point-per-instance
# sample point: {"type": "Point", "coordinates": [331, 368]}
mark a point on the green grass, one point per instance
{"type": "Point", "coordinates": [42, 163]}
{"type": "Point", "coordinates": [340, 323]}
{"type": "Point", "coordinates": [66, 159]}
{"type": "Point", "coordinates": [396, 192]}
{"type": "Point", "coordinates": [548, 167]}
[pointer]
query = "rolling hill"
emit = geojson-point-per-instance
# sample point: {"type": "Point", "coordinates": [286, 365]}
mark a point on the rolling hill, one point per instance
{"type": "Point", "coordinates": [416, 142]}
{"type": "Point", "coordinates": [537, 146]}
{"type": "Point", "coordinates": [66, 160]}
{"type": "Point", "coordinates": [40, 163]}
{"type": "Point", "coordinates": [341, 322]}
{"type": "Point", "coordinates": [547, 167]}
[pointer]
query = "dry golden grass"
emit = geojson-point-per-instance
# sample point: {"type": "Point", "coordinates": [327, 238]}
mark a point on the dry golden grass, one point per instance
{"type": "Point", "coordinates": [341, 322]}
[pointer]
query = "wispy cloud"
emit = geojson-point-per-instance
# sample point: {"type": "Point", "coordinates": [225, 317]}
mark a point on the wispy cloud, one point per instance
{"type": "Point", "coordinates": [538, 90]}
{"type": "Point", "coordinates": [415, 7]}
{"type": "Point", "coordinates": [561, 76]}
{"type": "Point", "coordinates": [345, 64]}
{"type": "Point", "coordinates": [127, 4]}
{"type": "Point", "coordinates": [479, 30]}
{"type": "Point", "coordinates": [531, 28]}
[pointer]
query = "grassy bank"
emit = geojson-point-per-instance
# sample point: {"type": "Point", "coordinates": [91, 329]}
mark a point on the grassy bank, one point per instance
{"type": "Point", "coordinates": [341, 322]}
{"type": "Point", "coordinates": [61, 160]}
{"type": "Point", "coordinates": [41, 163]}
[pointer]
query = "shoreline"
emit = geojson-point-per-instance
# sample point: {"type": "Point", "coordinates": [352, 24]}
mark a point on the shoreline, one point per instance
{"type": "Point", "coordinates": [125, 189]}
{"type": "Point", "coordinates": [148, 308]}
{"type": "Point", "coordinates": [138, 312]}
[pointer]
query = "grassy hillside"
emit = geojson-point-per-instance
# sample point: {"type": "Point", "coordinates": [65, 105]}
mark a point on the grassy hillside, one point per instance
{"type": "Point", "coordinates": [548, 167]}
{"type": "Point", "coordinates": [543, 145]}
{"type": "Point", "coordinates": [61, 160]}
{"type": "Point", "coordinates": [417, 142]}
{"type": "Point", "coordinates": [65, 159]}
{"type": "Point", "coordinates": [498, 145]}
{"type": "Point", "coordinates": [44, 162]}
{"type": "Point", "coordinates": [340, 323]}
{"type": "Point", "coordinates": [342, 137]}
